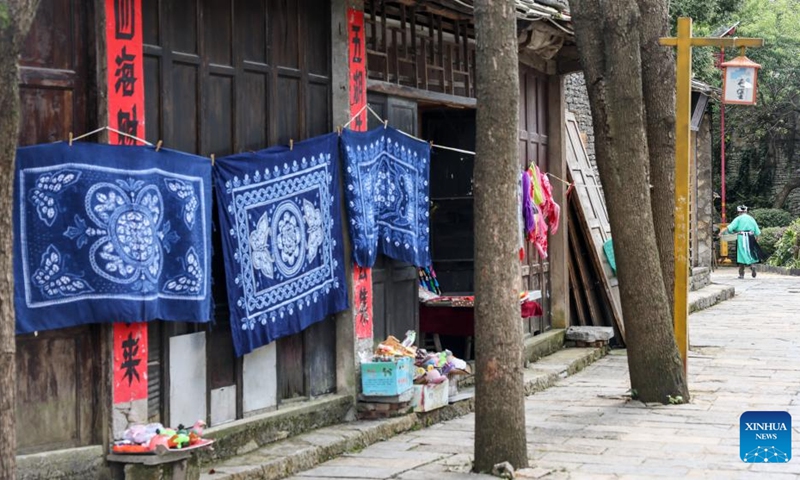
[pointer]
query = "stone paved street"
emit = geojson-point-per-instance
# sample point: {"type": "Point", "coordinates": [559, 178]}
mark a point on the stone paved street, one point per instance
{"type": "Point", "coordinates": [745, 355]}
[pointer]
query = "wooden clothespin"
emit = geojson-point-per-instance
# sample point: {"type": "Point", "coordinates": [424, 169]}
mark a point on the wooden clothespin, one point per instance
{"type": "Point", "coordinates": [385, 123]}
{"type": "Point", "coordinates": [339, 130]}
{"type": "Point", "coordinates": [70, 139]}
{"type": "Point", "coordinates": [430, 142]}
{"type": "Point", "coordinates": [291, 144]}
{"type": "Point", "coordinates": [212, 159]}
{"type": "Point", "coordinates": [158, 145]}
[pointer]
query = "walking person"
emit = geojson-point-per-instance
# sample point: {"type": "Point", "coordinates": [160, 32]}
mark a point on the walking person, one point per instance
{"type": "Point", "coordinates": [748, 253]}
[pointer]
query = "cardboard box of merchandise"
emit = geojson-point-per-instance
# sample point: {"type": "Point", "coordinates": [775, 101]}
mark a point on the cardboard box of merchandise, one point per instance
{"type": "Point", "coordinates": [387, 378]}
{"type": "Point", "coordinates": [429, 397]}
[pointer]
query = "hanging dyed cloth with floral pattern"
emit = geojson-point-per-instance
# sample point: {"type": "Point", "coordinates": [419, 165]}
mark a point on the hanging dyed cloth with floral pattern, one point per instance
{"type": "Point", "coordinates": [107, 233]}
{"type": "Point", "coordinates": [386, 188]}
{"type": "Point", "coordinates": [281, 239]}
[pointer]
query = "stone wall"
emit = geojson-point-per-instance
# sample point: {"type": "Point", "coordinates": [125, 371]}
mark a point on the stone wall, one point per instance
{"type": "Point", "coordinates": [578, 103]}
{"type": "Point", "coordinates": [785, 170]}
{"type": "Point", "coordinates": [577, 100]}
{"type": "Point", "coordinates": [704, 200]}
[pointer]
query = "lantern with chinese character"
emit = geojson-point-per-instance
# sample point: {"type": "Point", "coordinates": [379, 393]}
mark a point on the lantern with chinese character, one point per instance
{"type": "Point", "coordinates": [739, 86]}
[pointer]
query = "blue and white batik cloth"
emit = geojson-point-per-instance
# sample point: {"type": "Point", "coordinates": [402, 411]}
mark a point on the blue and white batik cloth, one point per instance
{"type": "Point", "coordinates": [282, 239]}
{"type": "Point", "coordinates": [109, 233]}
{"type": "Point", "coordinates": [386, 188]}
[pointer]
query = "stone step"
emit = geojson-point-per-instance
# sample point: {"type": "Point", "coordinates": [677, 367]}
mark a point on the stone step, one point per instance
{"type": "Point", "coordinates": [709, 296]}
{"type": "Point", "coordinates": [302, 452]}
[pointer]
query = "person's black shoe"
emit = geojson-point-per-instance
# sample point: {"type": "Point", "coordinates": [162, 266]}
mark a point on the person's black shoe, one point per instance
{"type": "Point", "coordinates": [753, 271]}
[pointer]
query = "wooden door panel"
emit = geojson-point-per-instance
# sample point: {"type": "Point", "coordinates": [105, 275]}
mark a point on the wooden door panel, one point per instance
{"type": "Point", "coordinates": [224, 77]}
{"type": "Point", "coordinates": [320, 340]}
{"type": "Point", "coordinates": [252, 36]}
{"type": "Point", "coordinates": [57, 371]}
{"type": "Point", "coordinates": [180, 122]}
{"type": "Point", "coordinates": [56, 379]}
{"type": "Point", "coordinates": [291, 378]}
{"type": "Point", "coordinates": [218, 121]}
{"type": "Point", "coordinates": [533, 151]}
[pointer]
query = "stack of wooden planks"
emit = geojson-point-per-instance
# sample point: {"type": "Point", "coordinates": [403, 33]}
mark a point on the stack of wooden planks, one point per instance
{"type": "Point", "coordinates": [594, 290]}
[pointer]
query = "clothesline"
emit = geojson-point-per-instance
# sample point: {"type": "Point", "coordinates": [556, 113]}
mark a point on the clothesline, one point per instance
{"type": "Point", "coordinates": [385, 123]}
{"type": "Point", "coordinates": [360, 111]}
{"type": "Point", "coordinates": [571, 184]}
{"type": "Point", "coordinates": [433, 145]}
{"type": "Point", "coordinates": [110, 129]}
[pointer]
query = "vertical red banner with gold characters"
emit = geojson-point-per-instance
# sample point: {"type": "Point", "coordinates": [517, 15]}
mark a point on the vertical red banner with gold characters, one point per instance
{"type": "Point", "coordinates": [362, 277]}
{"type": "Point", "coordinates": [125, 79]}
{"type": "Point", "coordinates": [130, 362]}
{"type": "Point", "coordinates": [358, 69]}
{"type": "Point", "coordinates": [125, 67]}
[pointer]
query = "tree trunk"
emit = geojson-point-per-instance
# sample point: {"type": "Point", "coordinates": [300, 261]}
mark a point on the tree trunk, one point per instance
{"type": "Point", "coordinates": [499, 394]}
{"type": "Point", "coordinates": [783, 195]}
{"type": "Point", "coordinates": [15, 19]}
{"type": "Point", "coordinates": [608, 38]}
{"type": "Point", "coordinates": [658, 89]}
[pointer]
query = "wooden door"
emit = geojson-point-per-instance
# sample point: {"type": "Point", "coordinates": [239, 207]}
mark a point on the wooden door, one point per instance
{"type": "Point", "coordinates": [395, 307]}
{"type": "Point", "coordinates": [223, 77]}
{"type": "Point", "coordinates": [57, 371]}
{"type": "Point", "coordinates": [533, 151]}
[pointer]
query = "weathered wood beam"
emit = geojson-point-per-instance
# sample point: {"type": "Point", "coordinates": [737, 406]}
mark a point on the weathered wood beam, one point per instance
{"type": "Point", "coordinates": [423, 96]}
{"type": "Point", "coordinates": [564, 67]}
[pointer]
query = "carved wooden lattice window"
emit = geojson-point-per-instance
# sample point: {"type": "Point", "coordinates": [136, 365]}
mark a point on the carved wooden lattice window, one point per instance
{"type": "Point", "coordinates": [430, 47]}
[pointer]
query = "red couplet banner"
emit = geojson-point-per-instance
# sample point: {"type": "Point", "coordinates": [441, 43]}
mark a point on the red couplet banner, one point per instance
{"type": "Point", "coordinates": [125, 79]}
{"type": "Point", "coordinates": [362, 277]}
{"type": "Point", "coordinates": [125, 67]}
{"type": "Point", "coordinates": [130, 362]}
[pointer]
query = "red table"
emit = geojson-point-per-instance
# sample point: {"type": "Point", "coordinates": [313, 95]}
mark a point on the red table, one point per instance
{"type": "Point", "coordinates": [455, 316]}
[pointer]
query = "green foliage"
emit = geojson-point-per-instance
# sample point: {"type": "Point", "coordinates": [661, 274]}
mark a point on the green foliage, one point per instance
{"type": "Point", "coordinates": [771, 217]}
{"type": "Point", "coordinates": [756, 136]}
{"type": "Point", "coordinates": [708, 17]}
{"type": "Point", "coordinates": [787, 250]}
{"type": "Point", "coordinates": [769, 238]}
{"type": "Point", "coordinates": [675, 400]}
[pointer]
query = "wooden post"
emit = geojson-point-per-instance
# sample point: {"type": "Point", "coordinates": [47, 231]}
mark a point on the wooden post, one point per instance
{"type": "Point", "coordinates": [683, 108]}
{"type": "Point", "coordinates": [557, 165]}
{"type": "Point", "coordinates": [684, 43]}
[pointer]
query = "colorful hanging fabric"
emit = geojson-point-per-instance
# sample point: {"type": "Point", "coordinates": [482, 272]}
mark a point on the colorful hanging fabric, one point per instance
{"type": "Point", "coordinates": [538, 195]}
{"type": "Point", "coordinates": [540, 236]}
{"type": "Point", "coordinates": [521, 219]}
{"type": "Point", "coordinates": [551, 210]}
{"type": "Point", "coordinates": [528, 209]}
{"type": "Point", "coordinates": [281, 239]}
{"type": "Point", "coordinates": [108, 233]}
{"type": "Point", "coordinates": [386, 187]}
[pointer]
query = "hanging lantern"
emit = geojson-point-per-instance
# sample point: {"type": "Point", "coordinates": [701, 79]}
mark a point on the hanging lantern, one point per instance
{"type": "Point", "coordinates": [740, 83]}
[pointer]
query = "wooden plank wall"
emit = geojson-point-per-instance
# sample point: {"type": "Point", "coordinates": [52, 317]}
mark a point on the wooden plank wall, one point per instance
{"type": "Point", "coordinates": [231, 76]}
{"type": "Point", "coordinates": [58, 371]}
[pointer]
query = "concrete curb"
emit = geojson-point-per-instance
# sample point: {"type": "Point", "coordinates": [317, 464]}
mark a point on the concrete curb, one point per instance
{"type": "Point", "coordinates": [794, 272]}
{"type": "Point", "coordinates": [306, 451]}
{"type": "Point", "coordinates": [709, 296]}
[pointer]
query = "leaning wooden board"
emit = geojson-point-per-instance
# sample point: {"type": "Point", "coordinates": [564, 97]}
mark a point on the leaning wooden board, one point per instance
{"type": "Point", "coordinates": [592, 216]}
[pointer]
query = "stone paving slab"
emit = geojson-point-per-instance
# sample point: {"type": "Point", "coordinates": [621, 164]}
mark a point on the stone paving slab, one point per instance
{"type": "Point", "coordinates": [440, 441]}
{"type": "Point", "coordinates": [744, 355]}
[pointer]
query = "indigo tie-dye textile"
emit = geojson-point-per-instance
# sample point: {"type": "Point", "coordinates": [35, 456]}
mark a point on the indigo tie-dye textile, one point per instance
{"type": "Point", "coordinates": [386, 188]}
{"type": "Point", "coordinates": [110, 234]}
{"type": "Point", "coordinates": [282, 239]}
